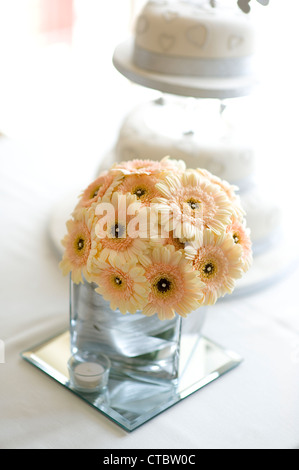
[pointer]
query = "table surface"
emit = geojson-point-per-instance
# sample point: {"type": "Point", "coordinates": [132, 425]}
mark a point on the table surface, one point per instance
{"type": "Point", "coordinates": [253, 406]}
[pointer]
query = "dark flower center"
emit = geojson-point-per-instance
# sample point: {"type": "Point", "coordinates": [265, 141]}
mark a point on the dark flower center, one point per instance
{"type": "Point", "coordinates": [80, 244]}
{"type": "Point", "coordinates": [163, 285]}
{"type": "Point", "coordinates": [193, 204]}
{"type": "Point", "coordinates": [139, 192]}
{"type": "Point", "coordinates": [118, 281]}
{"type": "Point", "coordinates": [209, 269]}
{"type": "Point", "coordinates": [95, 192]}
{"type": "Point", "coordinates": [117, 231]}
{"type": "Point", "coordinates": [236, 238]}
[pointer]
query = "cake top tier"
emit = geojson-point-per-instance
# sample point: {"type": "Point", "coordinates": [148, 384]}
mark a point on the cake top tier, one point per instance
{"type": "Point", "coordinates": [190, 48]}
{"type": "Point", "coordinates": [194, 29]}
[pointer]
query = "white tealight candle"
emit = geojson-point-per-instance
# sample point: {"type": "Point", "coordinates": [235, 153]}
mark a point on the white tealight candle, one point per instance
{"type": "Point", "coordinates": [88, 374]}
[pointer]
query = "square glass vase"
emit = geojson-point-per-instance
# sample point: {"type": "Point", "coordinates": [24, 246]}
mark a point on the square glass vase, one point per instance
{"type": "Point", "coordinates": [140, 347]}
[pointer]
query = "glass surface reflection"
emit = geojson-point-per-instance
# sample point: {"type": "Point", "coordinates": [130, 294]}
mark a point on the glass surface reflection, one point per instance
{"type": "Point", "coordinates": [131, 403]}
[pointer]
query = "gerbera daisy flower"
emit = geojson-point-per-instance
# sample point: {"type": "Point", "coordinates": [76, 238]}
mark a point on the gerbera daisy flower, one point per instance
{"type": "Point", "coordinates": [241, 236]}
{"type": "Point", "coordinates": [191, 203]}
{"type": "Point", "coordinates": [119, 229]}
{"type": "Point", "coordinates": [229, 189]}
{"type": "Point", "coordinates": [174, 285]}
{"type": "Point", "coordinates": [149, 167]}
{"type": "Point", "coordinates": [142, 186]}
{"type": "Point", "coordinates": [102, 186]}
{"type": "Point", "coordinates": [77, 243]}
{"type": "Point", "coordinates": [218, 260]}
{"type": "Point", "coordinates": [122, 284]}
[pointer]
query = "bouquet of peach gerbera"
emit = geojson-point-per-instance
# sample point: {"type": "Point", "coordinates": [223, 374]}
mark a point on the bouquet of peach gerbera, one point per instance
{"type": "Point", "coordinates": [158, 238]}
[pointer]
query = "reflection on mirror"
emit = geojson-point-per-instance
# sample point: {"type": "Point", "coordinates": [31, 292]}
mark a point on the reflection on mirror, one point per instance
{"type": "Point", "coordinates": [131, 403]}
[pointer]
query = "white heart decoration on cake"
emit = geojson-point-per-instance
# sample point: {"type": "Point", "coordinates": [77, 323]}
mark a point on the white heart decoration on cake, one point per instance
{"type": "Point", "coordinates": [197, 35]}
{"type": "Point", "coordinates": [166, 42]}
{"type": "Point", "coordinates": [142, 25]}
{"type": "Point", "coordinates": [234, 42]}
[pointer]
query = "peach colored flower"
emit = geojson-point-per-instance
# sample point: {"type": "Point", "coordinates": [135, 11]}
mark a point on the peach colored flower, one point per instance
{"type": "Point", "coordinates": [191, 203]}
{"type": "Point", "coordinates": [229, 189]}
{"type": "Point", "coordinates": [122, 284]}
{"type": "Point", "coordinates": [114, 231]}
{"type": "Point", "coordinates": [143, 186]}
{"type": "Point", "coordinates": [149, 167]}
{"type": "Point", "coordinates": [218, 260]}
{"type": "Point", "coordinates": [174, 285]}
{"type": "Point", "coordinates": [241, 236]}
{"type": "Point", "coordinates": [77, 243]}
{"type": "Point", "coordinates": [103, 185]}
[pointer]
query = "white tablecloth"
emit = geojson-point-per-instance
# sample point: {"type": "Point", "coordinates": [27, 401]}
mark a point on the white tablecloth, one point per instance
{"type": "Point", "coordinates": [253, 406]}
